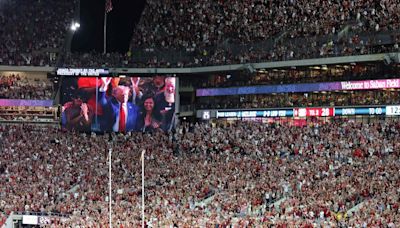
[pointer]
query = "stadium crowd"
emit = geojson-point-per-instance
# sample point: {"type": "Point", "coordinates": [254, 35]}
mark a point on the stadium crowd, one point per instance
{"type": "Point", "coordinates": [294, 49]}
{"type": "Point", "coordinates": [21, 87]}
{"type": "Point", "coordinates": [33, 32]}
{"type": "Point", "coordinates": [213, 23]}
{"type": "Point", "coordinates": [346, 98]}
{"type": "Point", "coordinates": [221, 23]}
{"type": "Point", "coordinates": [244, 174]}
{"type": "Point", "coordinates": [208, 33]}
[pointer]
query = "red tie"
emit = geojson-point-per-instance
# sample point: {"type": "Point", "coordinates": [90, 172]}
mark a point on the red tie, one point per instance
{"type": "Point", "coordinates": [122, 124]}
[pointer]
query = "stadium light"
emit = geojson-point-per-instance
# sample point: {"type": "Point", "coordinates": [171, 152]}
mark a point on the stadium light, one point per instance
{"type": "Point", "coordinates": [75, 26]}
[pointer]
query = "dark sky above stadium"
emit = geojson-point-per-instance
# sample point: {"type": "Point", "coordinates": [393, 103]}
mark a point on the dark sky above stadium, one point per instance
{"type": "Point", "coordinates": [121, 22]}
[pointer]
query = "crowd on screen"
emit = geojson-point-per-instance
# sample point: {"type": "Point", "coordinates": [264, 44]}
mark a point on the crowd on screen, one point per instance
{"type": "Point", "coordinates": [22, 87]}
{"type": "Point", "coordinates": [214, 37]}
{"type": "Point", "coordinates": [346, 98]}
{"type": "Point", "coordinates": [243, 174]}
{"type": "Point", "coordinates": [33, 32]}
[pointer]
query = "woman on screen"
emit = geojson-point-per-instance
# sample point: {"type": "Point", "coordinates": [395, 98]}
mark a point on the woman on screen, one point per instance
{"type": "Point", "coordinates": [148, 120]}
{"type": "Point", "coordinates": [77, 115]}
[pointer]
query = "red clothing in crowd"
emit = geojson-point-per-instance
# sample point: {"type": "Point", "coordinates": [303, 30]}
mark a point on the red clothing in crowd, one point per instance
{"type": "Point", "coordinates": [358, 153]}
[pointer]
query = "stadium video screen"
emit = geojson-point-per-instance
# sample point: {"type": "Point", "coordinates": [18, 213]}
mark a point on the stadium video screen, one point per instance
{"type": "Point", "coordinates": [118, 104]}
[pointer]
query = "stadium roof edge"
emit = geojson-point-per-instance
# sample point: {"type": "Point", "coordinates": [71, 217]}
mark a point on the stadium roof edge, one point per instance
{"type": "Point", "coordinates": [209, 69]}
{"type": "Point", "coordinates": [27, 68]}
{"type": "Point", "coordinates": [265, 65]}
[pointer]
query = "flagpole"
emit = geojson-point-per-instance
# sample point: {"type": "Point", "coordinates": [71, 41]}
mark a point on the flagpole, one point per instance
{"type": "Point", "coordinates": [142, 158]}
{"type": "Point", "coordinates": [105, 30]}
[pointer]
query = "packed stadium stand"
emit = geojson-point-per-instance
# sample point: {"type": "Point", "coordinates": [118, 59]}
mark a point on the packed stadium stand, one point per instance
{"type": "Point", "coordinates": [210, 23]}
{"type": "Point", "coordinates": [33, 32]}
{"type": "Point", "coordinates": [221, 113]}
{"type": "Point", "coordinates": [255, 175]}
{"type": "Point", "coordinates": [23, 87]}
{"type": "Point", "coordinates": [219, 32]}
{"type": "Point", "coordinates": [213, 33]}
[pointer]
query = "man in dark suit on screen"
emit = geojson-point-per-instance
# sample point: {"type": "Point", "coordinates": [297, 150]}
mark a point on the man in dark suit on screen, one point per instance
{"type": "Point", "coordinates": [119, 115]}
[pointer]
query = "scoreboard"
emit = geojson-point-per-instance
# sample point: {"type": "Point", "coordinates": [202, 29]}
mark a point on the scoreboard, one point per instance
{"type": "Point", "coordinates": [392, 110]}
{"type": "Point", "coordinates": [313, 112]}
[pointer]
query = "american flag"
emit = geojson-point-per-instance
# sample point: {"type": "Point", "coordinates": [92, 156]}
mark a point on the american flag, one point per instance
{"type": "Point", "coordinates": [109, 6]}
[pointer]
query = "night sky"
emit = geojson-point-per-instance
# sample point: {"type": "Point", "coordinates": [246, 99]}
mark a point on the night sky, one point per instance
{"type": "Point", "coordinates": [121, 22]}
